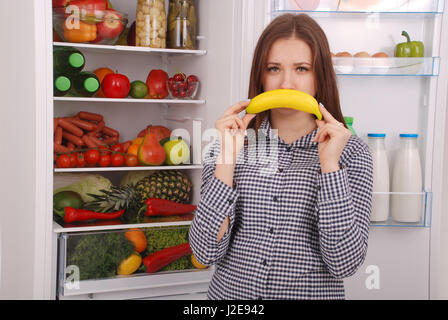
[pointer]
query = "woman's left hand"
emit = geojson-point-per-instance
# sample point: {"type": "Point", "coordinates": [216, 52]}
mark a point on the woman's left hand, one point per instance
{"type": "Point", "coordinates": [332, 137]}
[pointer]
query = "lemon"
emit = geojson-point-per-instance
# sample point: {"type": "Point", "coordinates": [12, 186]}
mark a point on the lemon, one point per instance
{"type": "Point", "coordinates": [130, 264]}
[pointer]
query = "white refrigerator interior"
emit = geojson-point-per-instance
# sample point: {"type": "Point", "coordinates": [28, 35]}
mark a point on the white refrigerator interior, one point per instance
{"type": "Point", "coordinates": [391, 96]}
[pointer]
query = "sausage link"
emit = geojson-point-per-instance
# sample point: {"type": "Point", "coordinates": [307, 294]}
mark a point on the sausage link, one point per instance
{"type": "Point", "coordinates": [90, 116]}
{"type": "Point", "coordinates": [88, 142]}
{"type": "Point", "coordinates": [68, 126]}
{"type": "Point", "coordinates": [55, 124]}
{"type": "Point", "coordinates": [58, 136]}
{"type": "Point", "coordinates": [85, 125]}
{"type": "Point", "coordinates": [60, 148]}
{"type": "Point", "coordinates": [111, 132]}
{"type": "Point", "coordinates": [72, 138]}
{"type": "Point", "coordinates": [111, 140]}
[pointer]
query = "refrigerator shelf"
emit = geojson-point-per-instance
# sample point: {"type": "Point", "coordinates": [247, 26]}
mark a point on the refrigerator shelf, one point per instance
{"type": "Point", "coordinates": [94, 48]}
{"type": "Point", "coordinates": [425, 220]}
{"type": "Point", "coordinates": [139, 168]}
{"type": "Point", "coordinates": [351, 66]}
{"type": "Point", "coordinates": [129, 100]}
{"type": "Point", "coordinates": [386, 8]}
{"type": "Point", "coordinates": [113, 225]}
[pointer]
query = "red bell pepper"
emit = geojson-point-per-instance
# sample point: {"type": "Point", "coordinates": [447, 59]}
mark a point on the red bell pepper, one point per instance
{"type": "Point", "coordinates": [164, 257]}
{"type": "Point", "coordinates": [162, 207]}
{"type": "Point", "coordinates": [72, 215]}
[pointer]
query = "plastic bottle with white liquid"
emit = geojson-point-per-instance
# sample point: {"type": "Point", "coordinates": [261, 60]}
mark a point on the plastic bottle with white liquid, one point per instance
{"type": "Point", "coordinates": [380, 198]}
{"type": "Point", "coordinates": [407, 178]}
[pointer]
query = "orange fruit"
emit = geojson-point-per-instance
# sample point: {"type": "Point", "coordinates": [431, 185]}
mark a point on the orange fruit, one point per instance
{"type": "Point", "coordinates": [133, 149]}
{"type": "Point", "coordinates": [138, 238]}
{"type": "Point", "coordinates": [196, 262]}
{"type": "Point", "coordinates": [101, 73]}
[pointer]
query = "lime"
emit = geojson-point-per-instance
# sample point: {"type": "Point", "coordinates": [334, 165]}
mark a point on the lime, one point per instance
{"type": "Point", "coordinates": [139, 89]}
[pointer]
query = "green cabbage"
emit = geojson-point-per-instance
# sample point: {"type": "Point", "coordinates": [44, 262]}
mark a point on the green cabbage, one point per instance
{"type": "Point", "coordinates": [132, 177]}
{"type": "Point", "coordinates": [81, 183]}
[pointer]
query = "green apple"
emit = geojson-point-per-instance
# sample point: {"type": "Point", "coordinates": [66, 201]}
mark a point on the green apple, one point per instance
{"type": "Point", "coordinates": [177, 151]}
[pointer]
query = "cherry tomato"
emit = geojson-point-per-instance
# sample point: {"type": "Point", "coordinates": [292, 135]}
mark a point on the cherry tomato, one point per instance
{"type": "Point", "coordinates": [131, 160]}
{"type": "Point", "coordinates": [117, 147]}
{"type": "Point", "coordinates": [117, 160]}
{"type": "Point", "coordinates": [80, 160]}
{"type": "Point", "coordinates": [73, 160]}
{"type": "Point", "coordinates": [63, 161]}
{"type": "Point", "coordinates": [105, 160]}
{"type": "Point", "coordinates": [104, 150]}
{"type": "Point", "coordinates": [92, 157]}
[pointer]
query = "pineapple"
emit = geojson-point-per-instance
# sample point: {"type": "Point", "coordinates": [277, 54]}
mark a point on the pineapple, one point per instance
{"type": "Point", "coordinates": [170, 185]}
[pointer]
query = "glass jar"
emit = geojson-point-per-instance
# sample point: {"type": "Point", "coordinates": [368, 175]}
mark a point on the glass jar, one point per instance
{"type": "Point", "coordinates": [182, 24]}
{"type": "Point", "coordinates": [150, 25]}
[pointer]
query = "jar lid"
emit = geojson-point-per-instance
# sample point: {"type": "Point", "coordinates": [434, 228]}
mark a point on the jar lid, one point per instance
{"type": "Point", "coordinates": [348, 120]}
{"type": "Point", "coordinates": [376, 135]}
{"type": "Point", "coordinates": [408, 135]}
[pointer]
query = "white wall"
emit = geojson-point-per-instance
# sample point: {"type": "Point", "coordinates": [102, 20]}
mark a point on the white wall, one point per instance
{"type": "Point", "coordinates": [17, 163]}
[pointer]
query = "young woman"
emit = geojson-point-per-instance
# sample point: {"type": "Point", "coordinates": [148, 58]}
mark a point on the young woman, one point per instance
{"type": "Point", "coordinates": [295, 229]}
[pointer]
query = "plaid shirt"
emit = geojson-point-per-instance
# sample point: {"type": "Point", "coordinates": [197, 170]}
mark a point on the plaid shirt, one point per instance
{"type": "Point", "coordinates": [294, 233]}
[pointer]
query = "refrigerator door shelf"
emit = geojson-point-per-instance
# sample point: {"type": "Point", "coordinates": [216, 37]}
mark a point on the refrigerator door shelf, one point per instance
{"type": "Point", "coordinates": [426, 66]}
{"type": "Point", "coordinates": [365, 6]}
{"type": "Point", "coordinates": [423, 198]}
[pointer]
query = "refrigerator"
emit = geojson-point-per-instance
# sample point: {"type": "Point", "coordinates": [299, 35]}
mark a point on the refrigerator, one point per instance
{"type": "Point", "coordinates": [401, 95]}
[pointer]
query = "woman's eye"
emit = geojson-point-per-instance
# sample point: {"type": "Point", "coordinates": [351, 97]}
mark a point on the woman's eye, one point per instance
{"type": "Point", "coordinates": [273, 69]}
{"type": "Point", "coordinates": [302, 69]}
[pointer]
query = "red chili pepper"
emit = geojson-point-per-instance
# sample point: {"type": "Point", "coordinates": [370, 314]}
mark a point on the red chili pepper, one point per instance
{"type": "Point", "coordinates": [72, 215]}
{"type": "Point", "coordinates": [164, 257]}
{"type": "Point", "coordinates": [162, 207]}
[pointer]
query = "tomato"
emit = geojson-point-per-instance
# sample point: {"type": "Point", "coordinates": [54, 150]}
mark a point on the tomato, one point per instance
{"type": "Point", "coordinates": [117, 148]}
{"type": "Point", "coordinates": [104, 150]}
{"type": "Point", "coordinates": [117, 160]}
{"type": "Point", "coordinates": [116, 85]}
{"type": "Point", "coordinates": [92, 157]}
{"type": "Point", "coordinates": [63, 161]}
{"type": "Point", "coordinates": [73, 160]}
{"type": "Point", "coordinates": [80, 160]}
{"type": "Point", "coordinates": [105, 160]}
{"type": "Point", "coordinates": [131, 160]}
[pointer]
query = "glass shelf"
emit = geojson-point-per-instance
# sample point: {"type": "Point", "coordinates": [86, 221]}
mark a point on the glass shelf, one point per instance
{"type": "Point", "coordinates": [426, 203]}
{"type": "Point", "coordinates": [426, 66]}
{"type": "Point", "coordinates": [342, 7]}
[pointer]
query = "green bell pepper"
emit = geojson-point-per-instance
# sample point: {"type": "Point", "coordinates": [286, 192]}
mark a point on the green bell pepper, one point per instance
{"type": "Point", "coordinates": [409, 48]}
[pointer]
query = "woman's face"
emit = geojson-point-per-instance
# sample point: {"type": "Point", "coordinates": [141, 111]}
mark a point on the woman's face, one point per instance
{"type": "Point", "coordinates": [289, 66]}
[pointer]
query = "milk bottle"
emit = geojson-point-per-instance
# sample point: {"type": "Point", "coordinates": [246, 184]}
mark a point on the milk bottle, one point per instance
{"type": "Point", "coordinates": [380, 198]}
{"type": "Point", "coordinates": [407, 178]}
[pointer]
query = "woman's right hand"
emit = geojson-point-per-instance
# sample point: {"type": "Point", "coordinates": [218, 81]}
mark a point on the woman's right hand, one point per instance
{"type": "Point", "coordinates": [232, 130]}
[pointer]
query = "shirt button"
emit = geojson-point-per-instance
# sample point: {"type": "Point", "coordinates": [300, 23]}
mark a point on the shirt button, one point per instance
{"type": "Point", "coordinates": [288, 149]}
{"type": "Point", "coordinates": [318, 187]}
{"type": "Point", "coordinates": [271, 230]}
{"type": "Point", "coordinates": [280, 170]}
{"type": "Point", "coordinates": [230, 201]}
{"type": "Point", "coordinates": [265, 263]}
{"type": "Point", "coordinates": [275, 199]}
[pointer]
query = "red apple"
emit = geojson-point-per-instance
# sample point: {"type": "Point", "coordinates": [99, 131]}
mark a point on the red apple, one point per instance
{"type": "Point", "coordinates": [112, 25]}
{"type": "Point", "coordinates": [115, 85]}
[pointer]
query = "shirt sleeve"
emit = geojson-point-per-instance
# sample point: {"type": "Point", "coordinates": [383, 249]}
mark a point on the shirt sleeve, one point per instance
{"type": "Point", "coordinates": [344, 205]}
{"type": "Point", "coordinates": [217, 202]}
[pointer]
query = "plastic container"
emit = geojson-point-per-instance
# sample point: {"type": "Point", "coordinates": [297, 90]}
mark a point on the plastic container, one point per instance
{"type": "Point", "coordinates": [150, 24]}
{"type": "Point", "coordinates": [182, 89]}
{"type": "Point", "coordinates": [407, 205]}
{"type": "Point", "coordinates": [182, 24]}
{"type": "Point", "coordinates": [84, 26]}
{"type": "Point", "coordinates": [381, 196]}
{"type": "Point", "coordinates": [99, 254]}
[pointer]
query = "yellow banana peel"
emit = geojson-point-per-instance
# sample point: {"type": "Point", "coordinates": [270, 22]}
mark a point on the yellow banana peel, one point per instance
{"type": "Point", "coordinates": [284, 98]}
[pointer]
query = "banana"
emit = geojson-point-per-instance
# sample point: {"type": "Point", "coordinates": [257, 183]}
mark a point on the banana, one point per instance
{"type": "Point", "coordinates": [284, 98]}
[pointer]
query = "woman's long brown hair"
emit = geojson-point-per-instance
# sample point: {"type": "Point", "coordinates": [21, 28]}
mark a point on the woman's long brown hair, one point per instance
{"type": "Point", "coordinates": [302, 27]}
